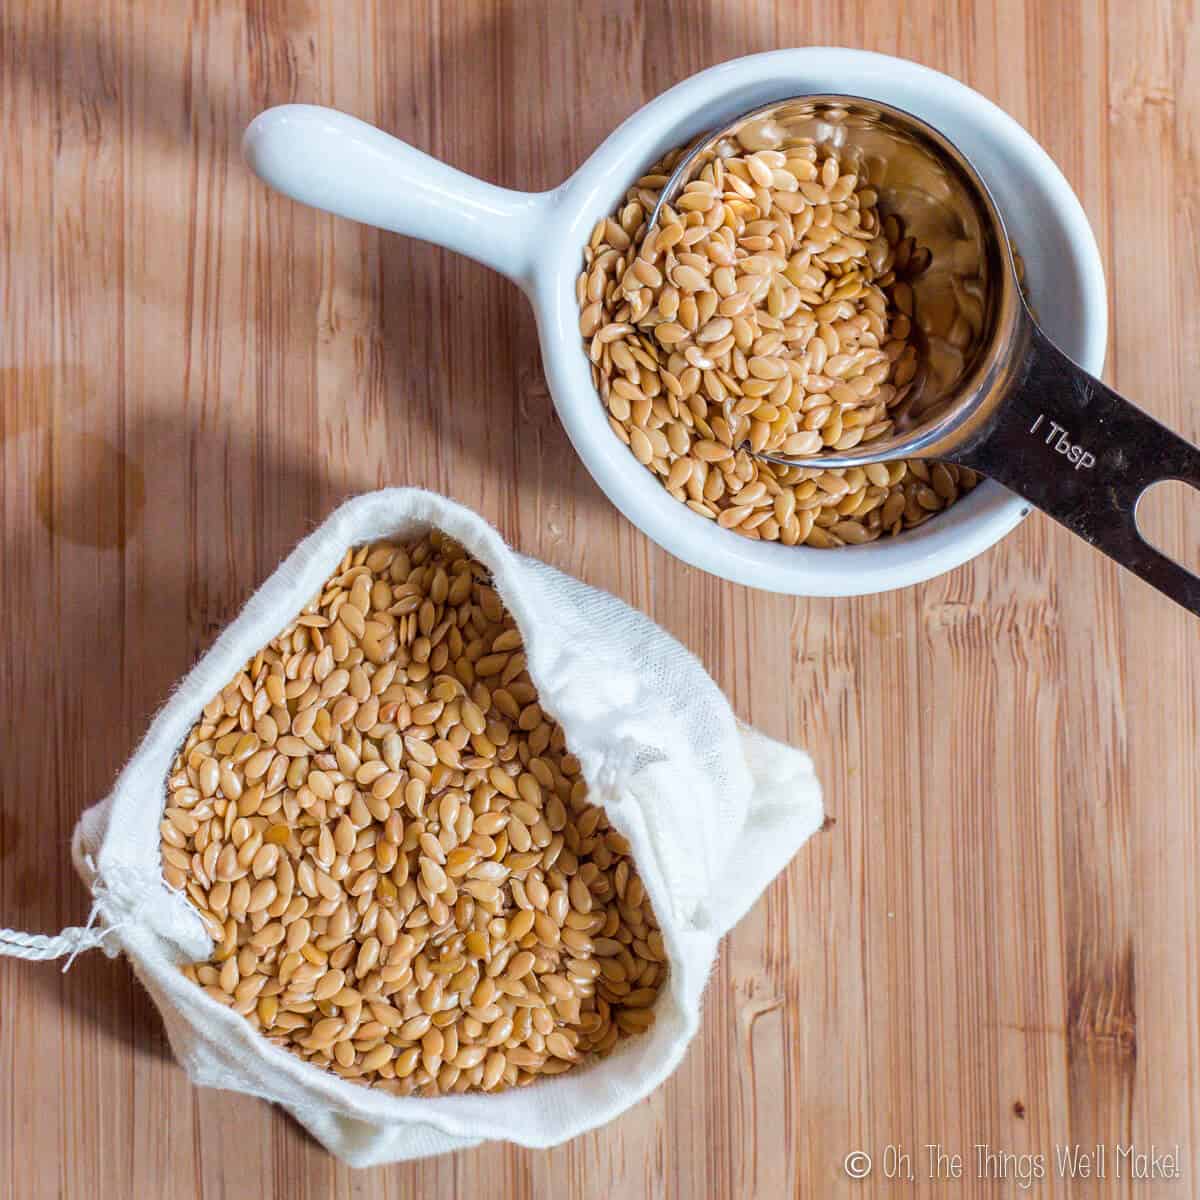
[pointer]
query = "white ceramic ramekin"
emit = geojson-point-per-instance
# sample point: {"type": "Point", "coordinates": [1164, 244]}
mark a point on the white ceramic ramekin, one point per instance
{"type": "Point", "coordinates": [338, 163]}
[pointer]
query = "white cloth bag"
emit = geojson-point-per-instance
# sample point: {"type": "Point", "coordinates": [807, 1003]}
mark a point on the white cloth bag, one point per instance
{"type": "Point", "coordinates": [713, 811]}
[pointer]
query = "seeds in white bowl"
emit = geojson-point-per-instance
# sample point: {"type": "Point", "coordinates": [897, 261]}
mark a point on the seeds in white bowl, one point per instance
{"type": "Point", "coordinates": [772, 308]}
{"type": "Point", "coordinates": [393, 850]}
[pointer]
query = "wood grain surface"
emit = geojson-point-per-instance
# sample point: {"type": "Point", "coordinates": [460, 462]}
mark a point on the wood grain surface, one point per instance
{"type": "Point", "coordinates": [996, 939]}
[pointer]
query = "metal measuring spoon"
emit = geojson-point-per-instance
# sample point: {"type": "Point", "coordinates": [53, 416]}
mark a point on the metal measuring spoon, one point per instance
{"type": "Point", "coordinates": [994, 393]}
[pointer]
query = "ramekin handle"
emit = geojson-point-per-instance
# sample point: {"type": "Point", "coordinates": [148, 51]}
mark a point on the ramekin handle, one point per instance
{"type": "Point", "coordinates": [336, 162]}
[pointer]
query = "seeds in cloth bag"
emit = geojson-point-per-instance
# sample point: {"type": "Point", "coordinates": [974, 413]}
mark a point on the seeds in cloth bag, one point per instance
{"type": "Point", "coordinates": [711, 809]}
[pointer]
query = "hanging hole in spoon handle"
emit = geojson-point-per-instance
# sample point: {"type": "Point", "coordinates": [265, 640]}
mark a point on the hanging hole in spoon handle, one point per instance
{"type": "Point", "coordinates": [1084, 455]}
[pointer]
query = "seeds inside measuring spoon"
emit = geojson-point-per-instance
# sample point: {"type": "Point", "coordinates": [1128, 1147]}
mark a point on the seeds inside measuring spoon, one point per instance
{"type": "Point", "coordinates": [771, 308]}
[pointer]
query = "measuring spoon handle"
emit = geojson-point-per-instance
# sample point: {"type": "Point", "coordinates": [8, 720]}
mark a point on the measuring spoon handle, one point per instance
{"type": "Point", "coordinates": [1084, 455]}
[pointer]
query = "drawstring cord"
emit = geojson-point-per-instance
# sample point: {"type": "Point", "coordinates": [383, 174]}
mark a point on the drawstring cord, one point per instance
{"type": "Point", "coordinates": [71, 942]}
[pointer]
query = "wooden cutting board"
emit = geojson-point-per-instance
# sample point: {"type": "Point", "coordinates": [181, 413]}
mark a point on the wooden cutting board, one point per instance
{"type": "Point", "coordinates": [994, 942]}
